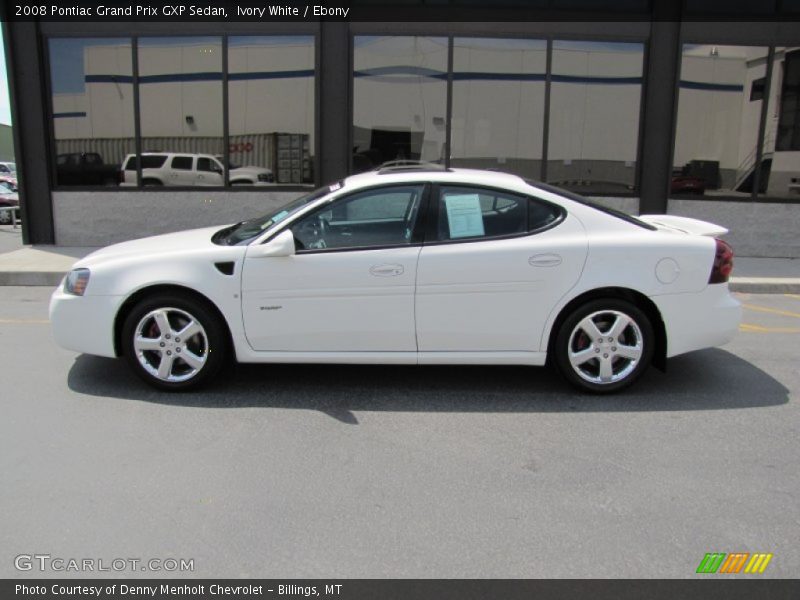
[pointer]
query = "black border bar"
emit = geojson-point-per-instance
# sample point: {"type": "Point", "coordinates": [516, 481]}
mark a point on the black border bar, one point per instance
{"type": "Point", "coordinates": [405, 589]}
{"type": "Point", "coordinates": [284, 11]}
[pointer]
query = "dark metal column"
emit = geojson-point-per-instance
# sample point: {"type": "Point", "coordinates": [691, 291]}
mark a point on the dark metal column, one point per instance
{"type": "Point", "coordinates": [334, 109]}
{"type": "Point", "coordinates": [660, 98]}
{"type": "Point", "coordinates": [26, 88]}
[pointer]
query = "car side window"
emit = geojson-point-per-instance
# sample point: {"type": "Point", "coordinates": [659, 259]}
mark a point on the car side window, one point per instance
{"type": "Point", "coordinates": [474, 213]}
{"type": "Point", "coordinates": [373, 218]}
{"type": "Point", "coordinates": [153, 161]}
{"type": "Point", "coordinates": [184, 163]}
{"type": "Point", "coordinates": [206, 164]}
{"type": "Point", "coordinates": [542, 214]}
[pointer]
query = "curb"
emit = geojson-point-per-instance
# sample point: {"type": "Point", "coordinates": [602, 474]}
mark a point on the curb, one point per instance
{"type": "Point", "coordinates": [31, 278]}
{"type": "Point", "coordinates": [765, 285]}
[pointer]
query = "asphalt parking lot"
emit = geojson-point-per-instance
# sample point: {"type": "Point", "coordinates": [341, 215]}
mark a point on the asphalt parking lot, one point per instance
{"type": "Point", "coordinates": [350, 471]}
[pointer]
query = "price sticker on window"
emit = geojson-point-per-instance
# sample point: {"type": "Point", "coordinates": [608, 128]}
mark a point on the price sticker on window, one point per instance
{"type": "Point", "coordinates": [464, 215]}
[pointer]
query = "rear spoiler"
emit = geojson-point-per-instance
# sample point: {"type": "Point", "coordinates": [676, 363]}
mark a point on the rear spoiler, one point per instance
{"type": "Point", "coordinates": [677, 224]}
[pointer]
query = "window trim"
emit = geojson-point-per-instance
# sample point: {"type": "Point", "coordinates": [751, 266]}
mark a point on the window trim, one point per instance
{"type": "Point", "coordinates": [134, 37]}
{"type": "Point", "coordinates": [417, 235]}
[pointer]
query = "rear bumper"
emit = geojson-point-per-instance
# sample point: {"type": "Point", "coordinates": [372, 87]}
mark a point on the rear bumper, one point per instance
{"type": "Point", "coordinates": [700, 320]}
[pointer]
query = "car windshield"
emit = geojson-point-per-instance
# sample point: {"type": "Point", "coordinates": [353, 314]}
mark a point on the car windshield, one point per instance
{"type": "Point", "coordinates": [244, 232]}
{"type": "Point", "coordinates": [585, 201]}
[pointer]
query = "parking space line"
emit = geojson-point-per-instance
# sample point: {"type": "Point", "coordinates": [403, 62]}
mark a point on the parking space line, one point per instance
{"type": "Point", "coordinates": [773, 311]}
{"type": "Point", "coordinates": [749, 328]}
{"type": "Point", "coordinates": [24, 321]}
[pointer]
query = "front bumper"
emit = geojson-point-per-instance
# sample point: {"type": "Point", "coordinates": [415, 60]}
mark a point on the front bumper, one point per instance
{"type": "Point", "coordinates": [84, 323]}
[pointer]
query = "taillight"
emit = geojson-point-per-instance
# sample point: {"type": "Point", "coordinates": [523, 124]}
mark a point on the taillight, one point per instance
{"type": "Point", "coordinates": [723, 263]}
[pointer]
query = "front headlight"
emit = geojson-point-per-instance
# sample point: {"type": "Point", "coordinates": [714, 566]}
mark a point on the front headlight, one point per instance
{"type": "Point", "coordinates": [76, 282]}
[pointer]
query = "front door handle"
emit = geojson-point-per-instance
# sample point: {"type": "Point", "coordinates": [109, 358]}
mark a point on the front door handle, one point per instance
{"type": "Point", "coordinates": [386, 270]}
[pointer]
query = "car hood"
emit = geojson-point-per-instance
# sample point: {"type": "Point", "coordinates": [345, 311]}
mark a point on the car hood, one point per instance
{"type": "Point", "coordinates": [182, 241]}
{"type": "Point", "coordinates": [675, 224]}
{"type": "Point", "coordinates": [251, 171]}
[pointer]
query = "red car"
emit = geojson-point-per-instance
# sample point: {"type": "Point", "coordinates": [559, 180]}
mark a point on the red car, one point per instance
{"type": "Point", "coordinates": [686, 184]}
{"type": "Point", "coordinates": [8, 197]}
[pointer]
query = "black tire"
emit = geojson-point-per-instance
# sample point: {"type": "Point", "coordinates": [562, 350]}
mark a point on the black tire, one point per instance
{"type": "Point", "coordinates": [210, 344]}
{"type": "Point", "coordinates": [5, 217]}
{"type": "Point", "coordinates": [612, 354]}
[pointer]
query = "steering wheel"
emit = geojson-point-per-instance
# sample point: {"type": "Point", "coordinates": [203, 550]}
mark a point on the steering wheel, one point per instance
{"type": "Point", "coordinates": [323, 227]}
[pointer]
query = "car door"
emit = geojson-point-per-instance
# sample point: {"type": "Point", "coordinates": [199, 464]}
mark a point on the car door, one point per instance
{"type": "Point", "coordinates": [350, 285]}
{"type": "Point", "coordinates": [495, 265]}
{"type": "Point", "coordinates": [180, 171]}
{"type": "Point", "coordinates": [209, 171]}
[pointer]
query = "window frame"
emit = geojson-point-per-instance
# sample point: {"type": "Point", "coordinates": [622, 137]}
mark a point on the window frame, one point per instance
{"type": "Point", "coordinates": [134, 37]}
{"type": "Point", "coordinates": [691, 35]}
{"type": "Point", "coordinates": [50, 111]}
{"type": "Point", "coordinates": [538, 35]}
{"type": "Point", "coordinates": [432, 231]}
{"type": "Point", "coordinates": [753, 196]}
{"type": "Point", "coordinates": [417, 234]}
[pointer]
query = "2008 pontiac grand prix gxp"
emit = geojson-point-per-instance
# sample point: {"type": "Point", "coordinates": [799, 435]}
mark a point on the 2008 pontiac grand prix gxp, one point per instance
{"type": "Point", "coordinates": [409, 266]}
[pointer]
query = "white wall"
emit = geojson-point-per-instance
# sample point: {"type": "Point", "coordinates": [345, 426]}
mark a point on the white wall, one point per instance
{"type": "Point", "coordinates": [709, 122]}
{"type": "Point", "coordinates": [594, 121]}
{"type": "Point", "coordinates": [402, 102]}
{"type": "Point", "coordinates": [271, 105]}
{"type": "Point", "coordinates": [108, 106]}
{"type": "Point", "coordinates": [498, 119]}
{"type": "Point", "coordinates": [256, 106]}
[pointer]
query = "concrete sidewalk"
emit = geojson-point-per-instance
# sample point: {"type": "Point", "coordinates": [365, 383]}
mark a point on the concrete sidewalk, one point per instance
{"type": "Point", "coordinates": [46, 265]}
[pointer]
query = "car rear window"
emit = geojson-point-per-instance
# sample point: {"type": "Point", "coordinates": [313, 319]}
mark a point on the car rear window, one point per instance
{"type": "Point", "coordinates": [586, 202]}
{"type": "Point", "coordinates": [149, 161]}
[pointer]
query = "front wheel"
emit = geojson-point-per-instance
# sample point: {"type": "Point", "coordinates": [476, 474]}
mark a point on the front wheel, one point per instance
{"type": "Point", "coordinates": [174, 342]}
{"type": "Point", "coordinates": [604, 346]}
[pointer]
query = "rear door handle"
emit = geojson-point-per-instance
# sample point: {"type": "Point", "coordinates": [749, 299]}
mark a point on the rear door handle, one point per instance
{"type": "Point", "coordinates": [386, 270]}
{"type": "Point", "coordinates": [544, 260]}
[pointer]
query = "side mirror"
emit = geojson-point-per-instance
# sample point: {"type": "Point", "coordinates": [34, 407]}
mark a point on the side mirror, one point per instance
{"type": "Point", "coordinates": [280, 245]}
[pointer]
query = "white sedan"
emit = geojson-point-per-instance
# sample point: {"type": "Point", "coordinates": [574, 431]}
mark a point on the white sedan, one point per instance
{"type": "Point", "coordinates": [409, 265]}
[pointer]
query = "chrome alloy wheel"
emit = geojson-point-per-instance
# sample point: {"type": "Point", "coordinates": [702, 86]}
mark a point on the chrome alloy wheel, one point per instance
{"type": "Point", "coordinates": [605, 347]}
{"type": "Point", "coordinates": [170, 344]}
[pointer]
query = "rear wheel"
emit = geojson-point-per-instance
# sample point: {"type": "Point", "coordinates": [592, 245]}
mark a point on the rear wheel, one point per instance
{"type": "Point", "coordinates": [604, 346]}
{"type": "Point", "coordinates": [174, 341]}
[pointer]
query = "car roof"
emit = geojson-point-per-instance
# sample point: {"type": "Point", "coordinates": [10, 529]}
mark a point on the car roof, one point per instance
{"type": "Point", "coordinates": [410, 175]}
{"type": "Point", "coordinates": [581, 207]}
